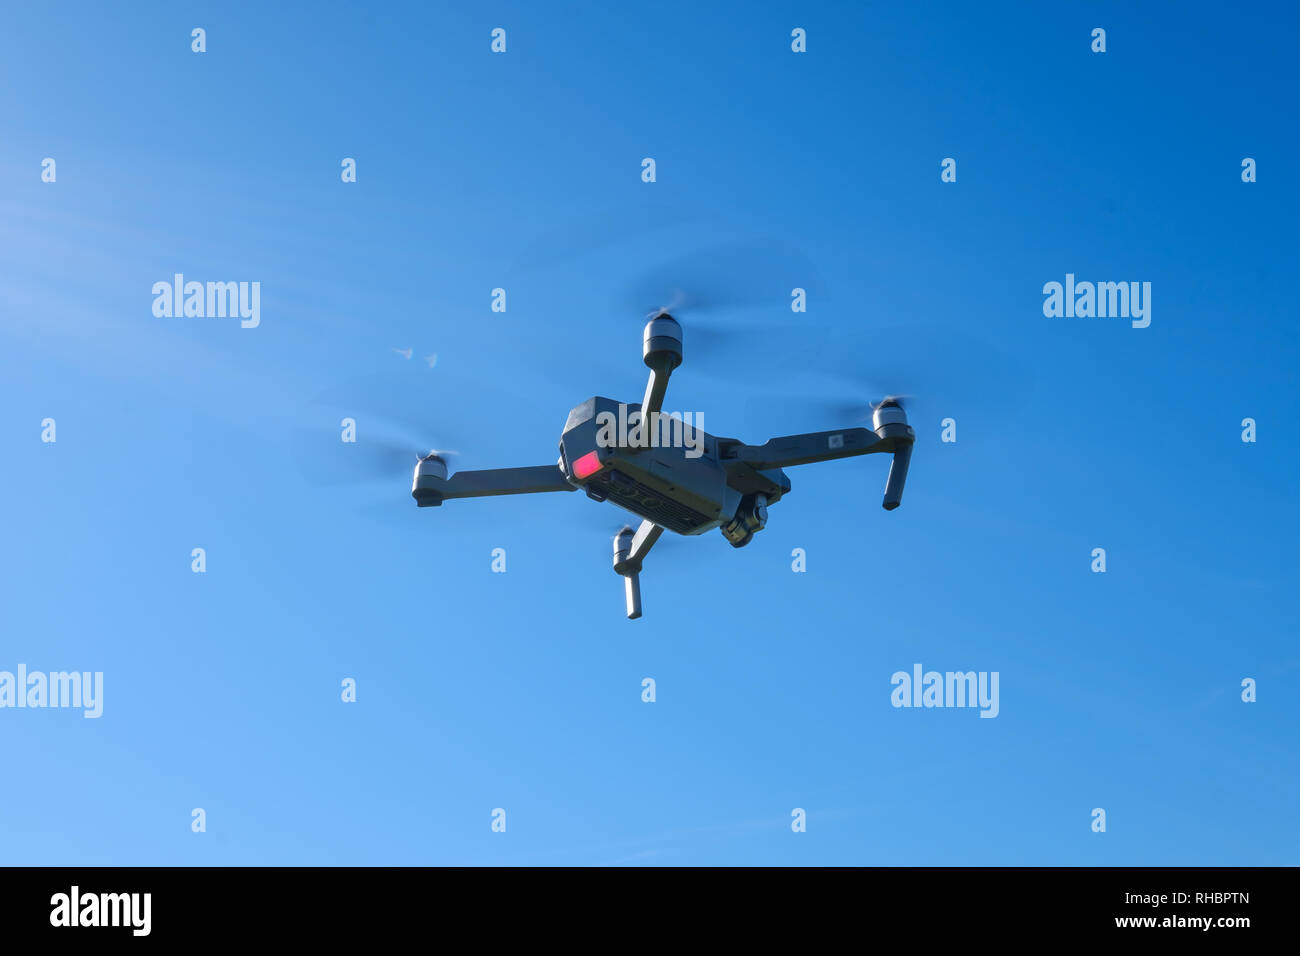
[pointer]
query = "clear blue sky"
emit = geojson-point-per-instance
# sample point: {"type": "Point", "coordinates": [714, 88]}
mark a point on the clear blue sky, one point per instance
{"type": "Point", "coordinates": [522, 690]}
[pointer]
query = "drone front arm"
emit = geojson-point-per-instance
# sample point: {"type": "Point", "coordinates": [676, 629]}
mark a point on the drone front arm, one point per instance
{"type": "Point", "coordinates": [812, 446]}
{"type": "Point", "coordinates": [430, 489]}
{"type": "Point", "coordinates": [828, 446]}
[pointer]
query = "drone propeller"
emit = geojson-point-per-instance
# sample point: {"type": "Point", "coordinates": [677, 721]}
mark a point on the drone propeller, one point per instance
{"type": "Point", "coordinates": [932, 373]}
{"type": "Point", "coordinates": [857, 410]}
{"type": "Point", "coordinates": [363, 430]}
{"type": "Point", "coordinates": [325, 458]}
{"type": "Point", "coordinates": [604, 520]}
{"type": "Point", "coordinates": [735, 275]}
{"type": "Point", "coordinates": [620, 229]}
{"type": "Point", "coordinates": [702, 288]}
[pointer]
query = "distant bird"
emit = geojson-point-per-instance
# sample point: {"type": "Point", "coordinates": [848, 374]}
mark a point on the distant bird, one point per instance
{"type": "Point", "coordinates": [405, 353]}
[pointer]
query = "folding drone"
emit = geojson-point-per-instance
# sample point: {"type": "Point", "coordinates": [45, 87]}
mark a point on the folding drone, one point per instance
{"type": "Point", "coordinates": [714, 483]}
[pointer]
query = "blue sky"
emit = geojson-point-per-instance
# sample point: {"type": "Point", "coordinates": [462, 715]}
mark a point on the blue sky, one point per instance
{"type": "Point", "coordinates": [523, 690]}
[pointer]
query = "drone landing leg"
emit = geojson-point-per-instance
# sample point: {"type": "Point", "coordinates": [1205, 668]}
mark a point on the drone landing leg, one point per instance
{"type": "Point", "coordinates": [629, 551]}
{"type": "Point", "coordinates": [632, 592]}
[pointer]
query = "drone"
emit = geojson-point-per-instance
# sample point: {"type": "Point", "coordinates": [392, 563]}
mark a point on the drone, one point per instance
{"type": "Point", "coordinates": [687, 487]}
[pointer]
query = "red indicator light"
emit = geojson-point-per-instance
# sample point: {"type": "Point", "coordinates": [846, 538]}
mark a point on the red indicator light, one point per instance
{"type": "Point", "coordinates": [587, 465]}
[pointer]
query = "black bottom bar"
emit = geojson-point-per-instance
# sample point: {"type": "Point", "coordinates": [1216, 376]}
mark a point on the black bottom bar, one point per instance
{"type": "Point", "coordinates": [871, 905]}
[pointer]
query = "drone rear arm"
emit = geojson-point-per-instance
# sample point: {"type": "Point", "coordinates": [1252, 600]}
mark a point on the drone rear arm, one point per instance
{"type": "Point", "coordinates": [662, 351]}
{"type": "Point", "coordinates": [629, 551]}
{"type": "Point", "coordinates": [429, 489]}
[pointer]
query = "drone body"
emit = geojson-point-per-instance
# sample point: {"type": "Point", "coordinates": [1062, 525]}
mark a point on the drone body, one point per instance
{"type": "Point", "coordinates": [688, 486]}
